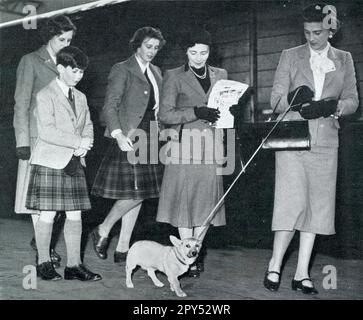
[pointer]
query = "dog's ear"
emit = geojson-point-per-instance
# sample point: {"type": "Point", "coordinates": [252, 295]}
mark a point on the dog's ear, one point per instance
{"type": "Point", "coordinates": [175, 241]}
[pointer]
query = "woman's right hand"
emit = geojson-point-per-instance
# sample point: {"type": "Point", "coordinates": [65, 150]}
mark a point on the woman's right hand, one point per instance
{"type": "Point", "coordinates": [124, 143]}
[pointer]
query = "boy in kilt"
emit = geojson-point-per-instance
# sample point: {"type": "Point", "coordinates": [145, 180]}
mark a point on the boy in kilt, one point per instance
{"type": "Point", "coordinates": [57, 180]}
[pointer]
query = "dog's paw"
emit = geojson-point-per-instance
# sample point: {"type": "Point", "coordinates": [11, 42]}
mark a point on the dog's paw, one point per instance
{"type": "Point", "coordinates": [159, 284]}
{"type": "Point", "coordinates": [129, 285]}
{"type": "Point", "coordinates": [181, 294]}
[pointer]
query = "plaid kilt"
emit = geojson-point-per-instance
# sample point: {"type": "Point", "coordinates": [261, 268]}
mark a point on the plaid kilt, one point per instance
{"type": "Point", "coordinates": [118, 179]}
{"type": "Point", "coordinates": [53, 190]}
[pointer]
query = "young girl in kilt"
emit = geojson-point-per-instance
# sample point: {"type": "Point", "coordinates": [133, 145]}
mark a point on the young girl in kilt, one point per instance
{"type": "Point", "coordinates": [57, 180]}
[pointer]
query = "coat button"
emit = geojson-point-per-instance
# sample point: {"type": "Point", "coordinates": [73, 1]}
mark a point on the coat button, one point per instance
{"type": "Point", "coordinates": [145, 92]}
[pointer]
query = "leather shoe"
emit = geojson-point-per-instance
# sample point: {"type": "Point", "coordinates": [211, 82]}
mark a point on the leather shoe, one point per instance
{"type": "Point", "coordinates": [271, 285]}
{"type": "Point", "coordinates": [80, 272]}
{"type": "Point", "coordinates": [99, 244]}
{"type": "Point", "coordinates": [119, 257]}
{"type": "Point", "coordinates": [46, 271]}
{"type": "Point", "coordinates": [298, 285]}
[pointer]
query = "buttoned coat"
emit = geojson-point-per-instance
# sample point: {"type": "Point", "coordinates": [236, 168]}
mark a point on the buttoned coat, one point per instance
{"type": "Point", "coordinates": [34, 72]}
{"type": "Point", "coordinates": [294, 70]}
{"type": "Point", "coordinates": [180, 94]}
{"type": "Point", "coordinates": [59, 129]}
{"type": "Point", "coordinates": [127, 96]}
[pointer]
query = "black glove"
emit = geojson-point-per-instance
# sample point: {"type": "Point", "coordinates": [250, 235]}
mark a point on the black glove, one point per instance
{"type": "Point", "coordinates": [317, 109]}
{"type": "Point", "coordinates": [23, 153]}
{"type": "Point", "coordinates": [237, 109]}
{"type": "Point", "coordinates": [205, 113]}
{"type": "Point", "coordinates": [304, 95]}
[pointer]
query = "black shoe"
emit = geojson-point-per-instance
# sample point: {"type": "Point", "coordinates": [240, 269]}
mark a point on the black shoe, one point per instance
{"type": "Point", "coordinates": [271, 285]}
{"type": "Point", "coordinates": [99, 244]}
{"type": "Point", "coordinates": [298, 285]}
{"type": "Point", "coordinates": [193, 271]}
{"type": "Point", "coordinates": [119, 257]}
{"type": "Point", "coordinates": [46, 271]}
{"type": "Point", "coordinates": [80, 272]}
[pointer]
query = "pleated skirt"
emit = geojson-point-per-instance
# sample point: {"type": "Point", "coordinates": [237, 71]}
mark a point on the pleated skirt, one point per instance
{"type": "Point", "coordinates": [117, 178]}
{"type": "Point", "coordinates": [53, 190]}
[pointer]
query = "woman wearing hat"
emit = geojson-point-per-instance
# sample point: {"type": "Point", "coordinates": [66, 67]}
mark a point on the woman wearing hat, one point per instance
{"type": "Point", "coordinates": [191, 186]}
{"type": "Point", "coordinates": [319, 80]}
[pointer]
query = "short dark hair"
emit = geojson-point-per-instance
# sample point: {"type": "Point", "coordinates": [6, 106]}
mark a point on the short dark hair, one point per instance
{"type": "Point", "coordinates": [56, 26]}
{"type": "Point", "coordinates": [314, 13]}
{"type": "Point", "coordinates": [146, 32]}
{"type": "Point", "coordinates": [72, 56]}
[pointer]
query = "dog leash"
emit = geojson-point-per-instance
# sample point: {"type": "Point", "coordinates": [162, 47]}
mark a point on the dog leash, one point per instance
{"type": "Point", "coordinates": [212, 214]}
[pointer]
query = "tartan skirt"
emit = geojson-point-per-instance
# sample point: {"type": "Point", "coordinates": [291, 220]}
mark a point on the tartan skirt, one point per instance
{"type": "Point", "coordinates": [53, 190]}
{"type": "Point", "coordinates": [118, 179]}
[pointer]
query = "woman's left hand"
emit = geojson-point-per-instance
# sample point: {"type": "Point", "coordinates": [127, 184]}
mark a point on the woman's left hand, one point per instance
{"type": "Point", "coordinates": [80, 152]}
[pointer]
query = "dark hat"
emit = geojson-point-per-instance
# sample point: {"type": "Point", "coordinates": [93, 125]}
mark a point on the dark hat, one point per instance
{"type": "Point", "coordinates": [319, 11]}
{"type": "Point", "coordinates": [196, 35]}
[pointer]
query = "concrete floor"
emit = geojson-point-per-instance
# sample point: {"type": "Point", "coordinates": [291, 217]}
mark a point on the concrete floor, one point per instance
{"type": "Point", "coordinates": [231, 273]}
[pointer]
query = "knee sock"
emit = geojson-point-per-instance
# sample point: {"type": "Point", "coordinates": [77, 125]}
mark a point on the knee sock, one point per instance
{"type": "Point", "coordinates": [72, 237]}
{"type": "Point", "coordinates": [127, 226]}
{"type": "Point", "coordinates": [43, 234]}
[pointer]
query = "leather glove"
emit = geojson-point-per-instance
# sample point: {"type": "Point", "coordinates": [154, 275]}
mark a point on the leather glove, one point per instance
{"type": "Point", "coordinates": [304, 95]}
{"type": "Point", "coordinates": [317, 109]}
{"type": "Point", "coordinates": [205, 113]}
{"type": "Point", "coordinates": [237, 109]}
{"type": "Point", "coordinates": [23, 153]}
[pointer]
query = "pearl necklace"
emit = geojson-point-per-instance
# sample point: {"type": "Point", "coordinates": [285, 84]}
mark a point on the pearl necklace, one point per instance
{"type": "Point", "coordinates": [203, 76]}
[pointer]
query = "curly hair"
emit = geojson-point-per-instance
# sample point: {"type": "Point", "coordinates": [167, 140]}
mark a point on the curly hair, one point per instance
{"type": "Point", "coordinates": [56, 26]}
{"type": "Point", "coordinates": [146, 32]}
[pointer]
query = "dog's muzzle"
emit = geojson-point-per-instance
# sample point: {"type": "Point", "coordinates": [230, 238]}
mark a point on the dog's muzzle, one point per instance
{"type": "Point", "coordinates": [192, 254]}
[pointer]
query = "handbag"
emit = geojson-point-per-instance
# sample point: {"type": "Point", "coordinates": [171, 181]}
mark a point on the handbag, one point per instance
{"type": "Point", "coordinates": [288, 135]}
{"type": "Point", "coordinates": [73, 167]}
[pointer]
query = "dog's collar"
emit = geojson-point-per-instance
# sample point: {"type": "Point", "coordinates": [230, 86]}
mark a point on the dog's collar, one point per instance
{"type": "Point", "coordinates": [178, 256]}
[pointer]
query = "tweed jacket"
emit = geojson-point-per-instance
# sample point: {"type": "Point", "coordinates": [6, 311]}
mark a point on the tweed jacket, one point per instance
{"type": "Point", "coordinates": [294, 70]}
{"type": "Point", "coordinates": [127, 96]}
{"type": "Point", "coordinates": [59, 129]}
{"type": "Point", "coordinates": [180, 94]}
{"type": "Point", "coordinates": [34, 72]}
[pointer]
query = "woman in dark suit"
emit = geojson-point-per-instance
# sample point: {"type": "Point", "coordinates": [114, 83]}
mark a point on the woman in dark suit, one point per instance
{"type": "Point", "coordinates": [35, 71]}
{"type": "Point", "coordinates": [322, 79]}
{"type": "Point", "coordinates": [131, 106]}
{"type": "Point", "coordinates": [191, 186]}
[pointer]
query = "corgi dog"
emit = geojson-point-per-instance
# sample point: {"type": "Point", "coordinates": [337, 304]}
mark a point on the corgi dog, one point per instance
{"type": "Point", "coordinates": [171, 260]}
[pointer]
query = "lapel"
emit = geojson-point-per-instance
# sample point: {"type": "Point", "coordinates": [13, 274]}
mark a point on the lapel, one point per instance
{"type": "Point", "coordinates": [134, 68]}
{"type": "Point", "coordinates": [157, 75]}
{"type": "Point", "coordinates": [332, 55]}
{"type": "Point", "coordinates": [213, 78]}
{"type": "Point", "coordinates": [64, 103]}
{"type": "Point", "coordinates": [192, 81]}
{"type": "Point", "coordinates": [77, 102]}
{"type": "Point", "coordinates": [46, 59]}
{"type": "Point", "coordinates": [304, 64]}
